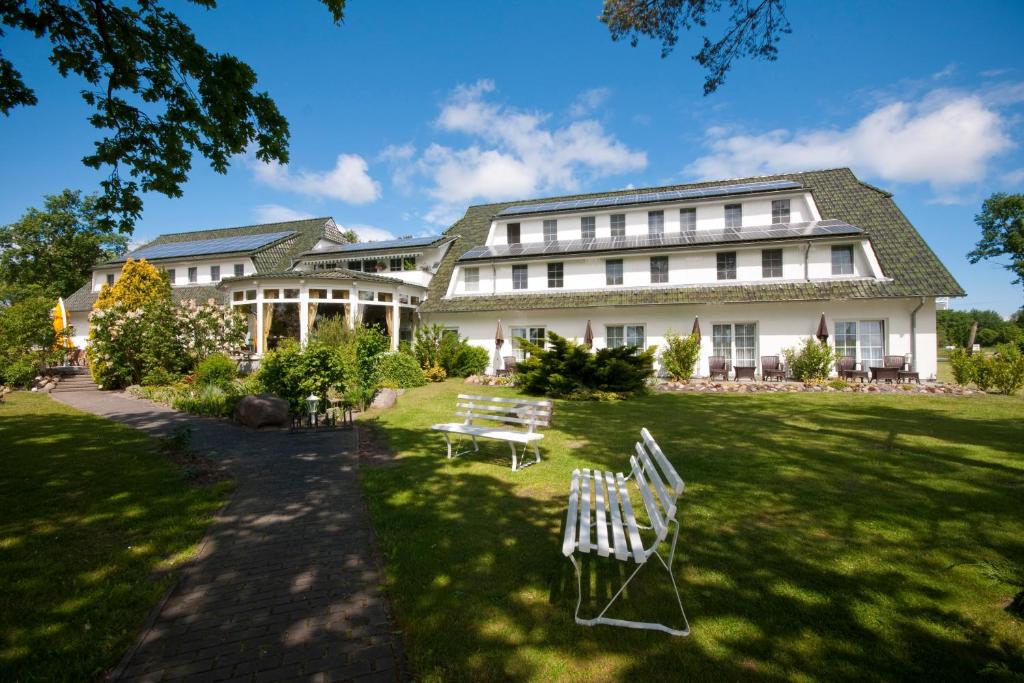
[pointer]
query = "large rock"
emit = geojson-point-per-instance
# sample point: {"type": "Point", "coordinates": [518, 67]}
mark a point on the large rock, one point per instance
{"type": "Point", "coordinates": [385, 398]}
{"type": "Point", "coordinates": [262, 410]}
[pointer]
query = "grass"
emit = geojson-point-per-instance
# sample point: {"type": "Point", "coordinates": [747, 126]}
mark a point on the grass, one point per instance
{"type": "Point", "coordinates": [94, 523]}
{"type": "Point", "coordinates": [824, 537]}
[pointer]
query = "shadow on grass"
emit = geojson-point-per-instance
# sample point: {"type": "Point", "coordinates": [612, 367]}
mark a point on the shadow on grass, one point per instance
{"type": "Point", "coordinates": [817, 537]}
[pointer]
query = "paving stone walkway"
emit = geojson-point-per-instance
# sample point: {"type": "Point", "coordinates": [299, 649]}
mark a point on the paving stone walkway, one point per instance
{"type": "Point", "coordinates": [286, 584]}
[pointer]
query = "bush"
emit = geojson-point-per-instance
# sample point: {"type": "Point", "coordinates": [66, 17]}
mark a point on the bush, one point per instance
{"type": "Point", "coordinates": [294, 373]}
{"type": "Point", "coordinates": [467, 360]}
{"type": "Point", "coordinates": [1002, 371]}
{"type": "Point", "coordinates": [566, 368]}
{"type": "Point", "coordinates": [433, 346]}
{"type": "Point", "coordinates": [205, 400]}
{"type": "Point", "coordinates": [963, 366]}
{"type": "Point", "coordinates": [217, 370]}
{"type": "Point", "coordinates": [331, 331]}
{"type": "Point", "coordinates": [435, 373]}
{"type": "Point", "coordinates": [840, 384]}
{"type": "Point", "coordinates": [20, 372]}
{"type": "Point", "coordinates": [427, 345]}
{"type": "Point", "coordinates": [156, 377]}
{"type": "Point", "coordinates": [680, 355]}
{"type": "Point", "coordinates": [26, 340]}
{"type": "Point", "coordinates": [813, 360]}
{"type": "Point", "coordinates": [400, 371]}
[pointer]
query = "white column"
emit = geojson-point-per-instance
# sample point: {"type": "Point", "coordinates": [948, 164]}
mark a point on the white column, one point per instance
{"type": "Point", "coordinates": [259, 320]}
{"type": "Point", "coordinates": [396, 318]}
{"type": "Point", "coordinates": [303, 315]}
{"type": "Point", "coordinates": [353, 308]}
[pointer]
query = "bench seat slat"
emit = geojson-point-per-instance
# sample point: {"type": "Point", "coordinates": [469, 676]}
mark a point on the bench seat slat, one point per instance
{"type": "Point", "coordinates": [672, 477]}
{"type": "Point", "coordinates": [585, 513]}
{"type": "Point", "coordinates": [645, 492]}
{"type": "Point", "coordinates": [618, 535]}
{"type": "Point", "coordinates": [572, 518]}
{"type": "Point", "coordinates": [488, 432]}
{"type": "Point", "coordinates": [600, 515]}
{"type": "Point", "coordinates": [635, 542]}
{"type": "Point", "coordinates": [667, 503]}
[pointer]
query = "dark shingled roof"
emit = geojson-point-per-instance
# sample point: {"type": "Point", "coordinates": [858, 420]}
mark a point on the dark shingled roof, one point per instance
{"type": "Point", "coordinates": [905, 258]}
{"type": "Point", "coordinates": [84, 298]}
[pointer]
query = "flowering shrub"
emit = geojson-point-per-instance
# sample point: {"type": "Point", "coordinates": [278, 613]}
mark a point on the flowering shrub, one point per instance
{"type": "Point", "coordinates": [129, 345]}
{"type": "Point", "coordinates": [680, 355]}
{"type": "Point", "coordinates": [811, 361]}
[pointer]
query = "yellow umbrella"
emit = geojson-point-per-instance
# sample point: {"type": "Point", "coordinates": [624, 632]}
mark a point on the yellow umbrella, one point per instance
{"type": "Point", "coordinates": [60, 324]}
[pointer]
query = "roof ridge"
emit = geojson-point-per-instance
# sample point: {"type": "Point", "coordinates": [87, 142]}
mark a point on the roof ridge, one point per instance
{"type": "Point", "coordinates": [243, 227]}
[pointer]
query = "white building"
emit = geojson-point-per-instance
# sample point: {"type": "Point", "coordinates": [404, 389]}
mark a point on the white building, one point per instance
{"type": "Point", "coordinates": [756, 262]}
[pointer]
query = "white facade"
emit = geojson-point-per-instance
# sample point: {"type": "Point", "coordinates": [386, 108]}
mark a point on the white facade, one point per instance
{"type": "Point", "coordinates": [778, 326]}
{"type": "Point", "coordinates": [191, 272]}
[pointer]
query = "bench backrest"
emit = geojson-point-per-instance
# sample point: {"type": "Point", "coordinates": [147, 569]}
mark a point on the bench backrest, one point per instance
{"type": "Point", "coordinates": [659, 483]}
{"type": "Point", "coordinates": [519, 412]}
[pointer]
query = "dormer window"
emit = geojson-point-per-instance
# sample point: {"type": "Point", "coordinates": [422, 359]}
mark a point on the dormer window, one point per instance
{"type": "Point", "coordinates": [780, 211]}
{"type": "Point", "coordinates": [193, 274]}
{"type": "Point", "coordinates": [550, 231]}
{"type": "Point", "coordinates": [214, 273]}
{"type": "Point", "coordinates": [655, 222]}
{"type": "Point", "coordinates": [842, 259]}
{"type": "Point", "coordinates": [613, 271]}
{"type": "Point", "coordinates": [170, 275]}
{"type": "Point", "coordinates": [520, 277]}
{"type": "Point", "coordinates": [726, 265]}
{"type": "Point", "coordinates": [512, 233]}
{"type": "Point", "coordinates": [618, 224]}
{"type": "Point", "coordinates": [733, 216]}
{"type": "Point", "coordinates": [588, 228]}
{"type": "Point", "coordinates": [472, 278]}
{"type": "Point", "coordinates": [110, 279]}
{"type": "Point", "coordinates": [239, 269]}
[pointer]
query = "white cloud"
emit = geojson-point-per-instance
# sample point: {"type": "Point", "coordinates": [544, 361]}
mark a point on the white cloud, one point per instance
{"type": "Point", "coordinates": [369, 233]}
{"type": "Point", "coordinates": [946, 140]}
{"type": "Point", "coordinates": [588, 101]}
{"type": "Point", "coordinates": [276, 213]}
{"type": "Point", "coordinates": [1014, 177]}
{"type": "Point", "coordinates": [513, 153]}
{"type": "Point", "coordinates": [348, 181]}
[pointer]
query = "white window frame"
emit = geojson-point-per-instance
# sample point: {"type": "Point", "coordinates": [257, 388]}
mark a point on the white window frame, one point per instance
{"type": "Point", "coordinates": [781, 211]}
{"type": "Point", "coordinates": [621, 229]}
{"type": "Point", "coordinates": [550, 227]}
{"type": "Point", "coordinates": [193, 274]}
{"type": "Point", "coordinates": [518, 231]}
{"type": "Point", "coordinates": [608, 276]}
{"type": "Point", "coordinates": [110, 279]}
{"type": "Point", "coordinates": [688, 225]}
{"type": "Point", "coordinates": [848, 248]}
{"type": "Point", "coordinates": [737, 209]}
{"type": "Point", "coordinates": [859, 336]}
{"type": "Point", "coordinates": [656, 222]}
{"type": "Point", "coordinates": [731, 355]}
{"type": "Point", "coordinates": [535, 334]}
{"type": "Point", "coordinates": [171, 275]}
{"type": "Point", "coordinates": [239, 270]}
{"type": "Point", "coordinates": [718, 267]}
{"type": "Point", "coordinates": [623, 334]}
{"type": "Point", "coordinates": [525, 270]}
{"type": "Point", "coordinates": [780, 265]}
{"type": "Point", "coordinates": [214, 273]}
{"type": "Point", "coordinates": [561, 275]}
{"type": "Point", "coordinates": [588, 227]}
{"type": "Point", "coordinates": [471, 279]}
{"type": "Point", "coordinates": [665, 273]}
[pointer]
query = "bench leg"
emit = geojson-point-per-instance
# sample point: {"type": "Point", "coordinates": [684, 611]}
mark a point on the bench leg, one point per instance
{"type": "Point", "coordinates": [448, 441]}
{"type": "Point", "coordinates": [515, 457]}
{"type": "Point", "coordinates": [601, 619]}
{"type": "Point", "coordinates": [476, 447]}
{"type": "Point", "coordinates": [536, 453]}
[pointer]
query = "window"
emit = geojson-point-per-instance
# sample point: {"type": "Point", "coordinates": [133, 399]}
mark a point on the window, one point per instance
{"type": "Point", "coordinates": [239, 269]}
{"type": "Point", "coordinates": [659, 269]}
{"type": "Point", "coordinates": [588, 228]}
{"type": "Point", "coordinates": [271, 293]}
{"type": "Point", "coordinates": [737, 343]}
{"type": "Point", "coordinates": [534, 335]}
{"type": "Point", "coordinates": [861, 339]}
{"type": "Point", "coordinates": [385, 297]}
{"type": "Point", "coordinates": [317, 293]}
{"type": "Point", "coordinates": [250, 295]}
{"type": "Point", "coordinates": [409, 263]}
{"type": "Point", "coordinates": [193, 274]}
{"type": "Point", "coordinates": [555, 275]}
{"type": "Point", "coordinates": [365, 295]}
{"type": "Point", "coordinates": [512, 233]}
{"type": "Point", "coordinates": [355, 265]}
{"type": "Point", "coordinates": [551, 231]}
{"type": "Point", "coordinates": [613, 271]}
{"type": "Point", "coordinates": [291, 294]}
{"type": "Point", "coordinates": [395, 264]}
{"type": "Point", "coordinates": [655, 222]}
{"type": "Point", "coordinates": [733, 216]}
{"type": "Point", "coordinates": [215, 273]}
{"type": "Point", "coordinates": [780, 211]}
{"type": "Point", "coordinates": [842, 259]}
{"type": "Point", "coordinates": [170, 275]}
{"type": "Point", "coordinates": [472, 279]}
{"type": "Point", "coordinates": [339, 293]}
{"type": "Point", "coordinates": [625, 335]}
{"type": "Point", "coordinates": [110, 279]}
{"type": "Point", "coordinates": [771, 263]}
{"type": "Point", "coordinates": [618, 225]}
{"type": "Point", "coordinates": [687, 220]}
{"type": "Point", "coordinates": [237, 296]}
{"type": "Point", "coordinates": [520, 275]}
{"type": "Point", "coordinates": [726, 263]}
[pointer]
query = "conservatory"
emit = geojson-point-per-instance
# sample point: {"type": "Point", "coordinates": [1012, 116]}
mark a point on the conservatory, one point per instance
{"type": "Point", "coordinates": [292, 304]}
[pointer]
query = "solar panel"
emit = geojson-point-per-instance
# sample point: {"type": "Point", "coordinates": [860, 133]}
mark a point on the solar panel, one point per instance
{"type": "Point", "coordinates": [777, 231]}
{"type": "Point", "coordinates": [382, 244]}
{"type": "Point", "coordinates": [219, 245]}
{"type": "Point", "coordinates": [649, 197]}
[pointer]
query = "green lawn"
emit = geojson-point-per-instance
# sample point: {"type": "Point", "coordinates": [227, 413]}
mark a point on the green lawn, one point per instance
{"type": "Point", "coordinates": [824, 537]}
{"type": "Point", "coordinates": [94, 522]}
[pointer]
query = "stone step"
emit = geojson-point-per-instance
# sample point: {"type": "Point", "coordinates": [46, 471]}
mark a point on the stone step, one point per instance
{"type": "Point", "coordinates": [64, 389]}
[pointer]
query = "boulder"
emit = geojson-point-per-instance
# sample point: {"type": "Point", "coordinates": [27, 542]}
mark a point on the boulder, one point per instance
{"type": "Point", "coordinates": [262, 410]}
{"type": "Point", "coordinates": [385, 398]}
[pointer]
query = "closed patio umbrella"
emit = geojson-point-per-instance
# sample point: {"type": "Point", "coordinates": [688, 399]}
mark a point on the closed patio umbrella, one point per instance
{"type": "Point", "coordinates": [822, 333]}
{"type": "Point", "coordinates": [696, 327]}
{"type": "Point", "coordinates": [499, 336]}
{"type": "Point", "coordinates": [588, 336]}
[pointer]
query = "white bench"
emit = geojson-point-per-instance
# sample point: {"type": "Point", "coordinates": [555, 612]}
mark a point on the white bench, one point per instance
{"type": "Point", "coordinates": [601, 520]}
{"type": "Point", "coordinates": [506, 412]}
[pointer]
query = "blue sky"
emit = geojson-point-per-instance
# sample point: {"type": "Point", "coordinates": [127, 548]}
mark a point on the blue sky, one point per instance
{"type": "Point", "coordinates": [411, 111]}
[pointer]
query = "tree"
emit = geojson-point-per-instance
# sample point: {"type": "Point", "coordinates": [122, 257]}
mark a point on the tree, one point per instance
{"type": "Point", "coordinates": [27, 339]}
{"type": "Point", "coordinates": [752, 31]}
{"type": "Point", "coordinates": [158, 94]}
{"type": "Point", "coordinates": [1002, 232]}
{"type": "Point", "coordinates": [954, 328]}
{"type": "Point", "coordinates": [140, 284]}
{"type": "Point", "coordinates": [52, 250]}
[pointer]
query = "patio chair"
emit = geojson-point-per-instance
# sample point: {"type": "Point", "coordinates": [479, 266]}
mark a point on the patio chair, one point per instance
{"type": "Point", "coordinates": [510, 364]}
{"type": "Point", "coordinates": [848, 368]}
{"type": "Point", "coordinates": [772, 368]}
{"type": "Point", "coordinates": [906, 374]}
{"type": "Point", "coordinates": [718, 365]}
{"type": "Point", "coordinates": [897, 362]}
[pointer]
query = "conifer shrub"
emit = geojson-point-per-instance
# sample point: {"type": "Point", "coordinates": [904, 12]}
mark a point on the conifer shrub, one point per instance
{"type": "Point", "coordinates": [568, 369]}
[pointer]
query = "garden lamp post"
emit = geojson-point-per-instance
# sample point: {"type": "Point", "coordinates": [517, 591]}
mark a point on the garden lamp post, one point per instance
{"type": "Point", "coordinates": [312, 401]}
